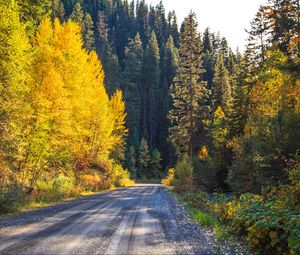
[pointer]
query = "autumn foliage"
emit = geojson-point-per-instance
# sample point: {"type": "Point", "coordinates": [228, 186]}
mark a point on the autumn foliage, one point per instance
{"type": "Point", "coordinates": [58, 120]}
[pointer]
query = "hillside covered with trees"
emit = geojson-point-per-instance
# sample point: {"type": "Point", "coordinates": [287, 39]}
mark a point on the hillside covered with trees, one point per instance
{"type": "Point", "coordinates": [93, 92]}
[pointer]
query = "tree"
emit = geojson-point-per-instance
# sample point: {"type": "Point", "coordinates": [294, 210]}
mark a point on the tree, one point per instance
{"type": "Point", "coordinates": [155, 168]}
{"type": "Point", "coordinates": [144, 159]}
{"type": "Point", "coordinates": [208, 57]}
{"type": "Point", "coordinates": [111, 67]}
{"type": "Point", "coordinates": [189, 91]}
{"type": "Point", "coordinates": [131, 87]}
{"type": "Point", "coordinates": [151, 76]}
{"type": "Point", "coordinates": [33, 12]}
{"type": "Point", "coordinates": [184, 173]}
{"type": "Point", "coordinates": [221, 91]}
{"type": "Point", "coordinates": [77, 15]}
{"type": "Point", "coordinates": [58, 10]}
{"type": "Point", "coordinates": [88, 32]}
{"type": "Point", "coordinates": [15, 88]}
{"type": "Point", "coordinates": [219, 134]}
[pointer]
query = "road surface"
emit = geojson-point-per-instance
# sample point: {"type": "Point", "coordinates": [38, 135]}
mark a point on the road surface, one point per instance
{"type": "Point", "coordinates": [143, 219]}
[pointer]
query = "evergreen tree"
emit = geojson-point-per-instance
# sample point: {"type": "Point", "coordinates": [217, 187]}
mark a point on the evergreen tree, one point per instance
{"type": "Point", "coordinates": [219, 134]}
{"type": "Point", "coordinates": [144, 159]}
{"type": "Point", "coordinates": [221, 91]}
{"type": "Point", "coordinates": [88, 32]}
{"type": "Point", "coordinates": [112, 69]}
{"type": "Point", "coordinates": [77, 15]}
{"type": "Point", "coordinates": [32, 12]}
{"type": "Point", "coordinates": [151, 77]}
{"type": "Point", "coordinates": [58, 10]}
{"type": "Point", "coordinates": [132, 89]}
{"type": "Point", "coordinates": [102, 31]}
{"type": "Point", "coordinates": [208, 57]}
{"type": "Point", "coordinates": [168, 71]}
{"type": "Point", "coordinates": [189, 92]}
{"type": "Point", "coordinates": [155, 164]}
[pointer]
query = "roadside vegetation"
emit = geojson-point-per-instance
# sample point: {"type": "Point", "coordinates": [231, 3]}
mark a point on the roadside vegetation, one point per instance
{"type": "Point", "coordinates": [93, 93]}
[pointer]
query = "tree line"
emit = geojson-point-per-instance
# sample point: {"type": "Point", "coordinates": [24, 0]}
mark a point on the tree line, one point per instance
{"type": "Point", "coordinates": [188, 96]}
{"type": "Point", "coordinates": [60, 131]}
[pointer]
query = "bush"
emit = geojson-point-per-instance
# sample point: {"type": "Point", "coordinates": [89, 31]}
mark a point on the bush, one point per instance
{"type": "Point", "coordinates": [184, 174]}
{"type": "Point", "coordinates": [169, 180]}
{"type": "Point", "coordinates": [197, 200]}
{"type": "Point", "coordinates": [120, 176]}
{"type": "Point", "coordinates": [269, 228]}
{"type": "Point", "coordinates": [11, 198]}
{"type": "Point", "coordinates": [91, 182]}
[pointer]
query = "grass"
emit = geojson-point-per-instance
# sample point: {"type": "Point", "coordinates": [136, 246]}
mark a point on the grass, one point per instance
{"type": "Point", "coordinates": [204, 219]}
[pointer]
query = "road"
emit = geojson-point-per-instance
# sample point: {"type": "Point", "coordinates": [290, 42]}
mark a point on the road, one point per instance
{"type": "Point", "coordinates": [143, 219]}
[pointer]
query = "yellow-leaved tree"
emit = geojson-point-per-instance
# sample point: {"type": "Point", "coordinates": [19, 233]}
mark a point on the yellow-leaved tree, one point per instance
{"type": "Point", "coordinates": [74, 124]}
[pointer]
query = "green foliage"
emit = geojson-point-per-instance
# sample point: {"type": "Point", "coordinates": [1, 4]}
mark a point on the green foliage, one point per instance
{"type": "Point", "coordinates": [184, 174]}
{"type": "Point", "coordinates": [155, 164]}
{"type": "Point", "coordinates": [11, 199]}
{"type": "Point", "coordinates": [202, 218]}
{"type": "Point", "coordinates": [267, 227]}
{"type": "Point", "coordinates": [144, 160]}
{"type": "Point", "coordinates": [189, 92]}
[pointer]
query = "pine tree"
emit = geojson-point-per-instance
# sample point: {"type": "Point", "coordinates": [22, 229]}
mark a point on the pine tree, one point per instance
{"type": "Point", "coordinates": [88, 32]}
{"type": "Point", "coordinates": [221, 91]}
{"type": "Point", "coordinates": [259, 36]}
{"type": "Point", "coordinates": [169, 65]}
{"type": "Point", "coordinates": [77, 15]}
{"type": "Point", "coordinates": [155, 168]}
{"type": "Point", "coordinates": [144, 159]}
{"type": "Point", "coordinates": [32, 12]}
{"type": "Point", "coordinates": [219, 134]}
{"type": "Point", "coordinates": [189, 92]}
{"type": "Point", "coordinates": [151, 76]}
{"type": "Point", "coordinates": [102, 31]}
{"type": "Point", "coordinates": [208, 57]}
{"type": "Point", "coordinates": [132, 85]}
{"type": "Point", "coordinates": [112, 68]}
{"type": "Point", "coordinates": [58, 10]}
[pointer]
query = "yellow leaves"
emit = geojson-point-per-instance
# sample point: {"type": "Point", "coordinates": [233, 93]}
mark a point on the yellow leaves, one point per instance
{"type": "Point", "coordinates": [275, 89]}
{"type": "Point", "coordinates": [219, 114]}
{"type": "Point", "coordinates": [170, 178]}
{"type": "Point", "coordinates": [70, 98]}
{"type": "Point", "coordinates": [203, 153]}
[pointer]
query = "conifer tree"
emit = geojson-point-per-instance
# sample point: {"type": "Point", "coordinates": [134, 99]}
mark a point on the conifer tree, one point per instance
{"type": "Point", "coordinates": [111, 67]}
{"type": "Point", "coordinates": [132, 85]}
{"type": "Point", "coordinates": [169, 65]}
{"type": "Point", "coordinates": [88, 32]}
{"type": "Point", "coordinates": [32, 12]}
{"type": "Point", "coordinates": [58, 10]}
{"type": "Point", "coordinates": [221, 91]}
{"type": "Point", "coordinates": [144, 159]}
{"type": "Point", "coordinates": [208, 57]}
{"type": "Point", "coordinates": [155, 168]}
{"type": "Point", "coordinates": [77, 15]}
{"type": "Point", "coordinates": [151, 77]}
{"type": "Point", "coordinates": [189, 93]}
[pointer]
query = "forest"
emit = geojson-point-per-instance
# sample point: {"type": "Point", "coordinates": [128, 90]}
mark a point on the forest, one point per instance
{"type": "Point", "coordinates": [96, 93]}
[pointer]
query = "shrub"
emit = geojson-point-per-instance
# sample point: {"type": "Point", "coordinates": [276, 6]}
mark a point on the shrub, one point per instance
{"type": "Point", "coordinates": [91, 182]}
{"type": "Point", "coordinates": [169, 180]}
{"type": "Point", "coordinates": [120, 176]}
{"type": "Point", "coordinates": [11, 198]}
{"type": "Point", "coordinates": [197, 200]}
{"type": "Point", "coordinates": [62, 185]}
{"type": "Point", "coordinates": [184, 174]}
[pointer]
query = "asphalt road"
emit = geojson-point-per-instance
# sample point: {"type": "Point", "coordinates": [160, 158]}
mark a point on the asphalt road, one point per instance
{"type": "Point", "coordinates": [144, 219]}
